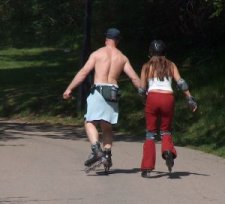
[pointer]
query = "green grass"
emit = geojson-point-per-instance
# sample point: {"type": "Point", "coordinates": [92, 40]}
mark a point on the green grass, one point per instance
{"type": "Point", "coordinates": [33, 81]}
{"type": "Point", "coordinates": [205, 129]}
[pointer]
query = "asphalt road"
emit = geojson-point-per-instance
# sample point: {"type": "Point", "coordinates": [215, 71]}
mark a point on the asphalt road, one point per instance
{"type": "Point", "coordinates": [43, 164]}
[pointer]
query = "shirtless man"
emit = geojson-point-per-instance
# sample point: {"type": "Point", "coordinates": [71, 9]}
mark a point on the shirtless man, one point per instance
{"type": "Point", "coordinates": [102, 104]}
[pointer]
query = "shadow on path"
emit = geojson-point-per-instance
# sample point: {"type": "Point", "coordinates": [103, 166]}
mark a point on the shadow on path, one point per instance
{"type": "Point", "coordinates": [153, 174]}
{"type": "Point", "coordinates": [174, 175]}
{"type": "Point", "coordinates": [12, 130]}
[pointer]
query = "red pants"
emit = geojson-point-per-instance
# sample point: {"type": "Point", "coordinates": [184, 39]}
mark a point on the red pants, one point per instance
{"type": "Point", "coordinates": [159, 112]}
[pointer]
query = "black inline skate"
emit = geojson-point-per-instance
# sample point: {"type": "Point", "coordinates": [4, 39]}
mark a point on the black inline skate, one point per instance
{"type": "Point", "coordinates": [95, 159]}
{"type": "Point", "coordinates": [168, 156]}
{"type": "Point", "coordinates": [146, 173]}
{"type": "Point", "coordinates": [108, 156]}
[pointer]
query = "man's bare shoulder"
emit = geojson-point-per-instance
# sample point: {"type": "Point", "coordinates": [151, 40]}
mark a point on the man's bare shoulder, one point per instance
{"type": "Point", "coordinates": [122, 55]}
{"type": "Point", "coordinates": [99, 52]}
{"type": "Point", "coordinates": [103, 50]}
{"type": "Point", "coordinates": [125, 57]}
{"type": "Point", "coordinates": [96, 52]}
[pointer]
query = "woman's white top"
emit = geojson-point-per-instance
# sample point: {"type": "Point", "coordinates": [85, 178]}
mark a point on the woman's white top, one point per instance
{"type": "Point", "coordinates": [156, 84]}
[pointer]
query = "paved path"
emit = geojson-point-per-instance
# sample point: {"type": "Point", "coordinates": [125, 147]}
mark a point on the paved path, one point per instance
{"type": "Point", "coordinates": [43, 164]}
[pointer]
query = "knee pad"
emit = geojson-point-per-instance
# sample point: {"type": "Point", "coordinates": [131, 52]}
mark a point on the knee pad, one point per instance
{"type": "Point", "coordinates": [150, 135]}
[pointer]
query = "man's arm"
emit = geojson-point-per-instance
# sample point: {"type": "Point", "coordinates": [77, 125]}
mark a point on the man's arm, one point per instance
{"type": "Point", "coordinates": [128, 69]}
{"type": "Point", "coordinates": [143, 77]}
{"type": "Point", "coordinates": [143, 86]}
{"type": "Point", "coordinates": [80, 76]}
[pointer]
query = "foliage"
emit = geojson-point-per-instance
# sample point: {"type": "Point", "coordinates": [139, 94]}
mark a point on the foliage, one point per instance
{"type": "Point", "coordinates": [218, 7]}
{"type": "Point", "coordinates": [26, 22]}
{"type": "Point", "coordinates": [39, 22]}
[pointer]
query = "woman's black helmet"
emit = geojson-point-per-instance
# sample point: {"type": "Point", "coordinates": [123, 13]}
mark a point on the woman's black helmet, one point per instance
{"type": "Point", "coordinates": [157, 48]}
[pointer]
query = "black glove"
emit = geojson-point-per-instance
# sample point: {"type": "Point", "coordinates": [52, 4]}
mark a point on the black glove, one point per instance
{"type": "Point", "coordinates": [192, 104]}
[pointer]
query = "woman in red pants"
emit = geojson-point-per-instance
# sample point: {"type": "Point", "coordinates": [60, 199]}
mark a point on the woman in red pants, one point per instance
{"type": "Point", "coordinates": [156, 78]}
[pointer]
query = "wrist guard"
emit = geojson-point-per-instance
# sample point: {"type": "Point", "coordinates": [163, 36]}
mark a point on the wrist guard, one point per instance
{"type": "Point", "coordinates": [192, 104]}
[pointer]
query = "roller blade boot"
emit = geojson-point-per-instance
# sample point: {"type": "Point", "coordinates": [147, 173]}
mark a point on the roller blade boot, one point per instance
{"type": "Point", "coordinates": [145, 173]}
{"type": "Point", "coordinates": [108, 156]}
{"type": "Point", "coordinates": [168, 155]}
{"type": "Point", "coordinates": [95, 159]}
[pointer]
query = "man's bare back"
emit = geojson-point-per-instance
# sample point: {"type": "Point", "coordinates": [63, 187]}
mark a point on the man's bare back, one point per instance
{"type": "Point", "coordinates": [108, 63]}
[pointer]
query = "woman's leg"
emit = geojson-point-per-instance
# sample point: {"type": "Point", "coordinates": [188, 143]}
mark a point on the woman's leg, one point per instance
{"type": "Point", "coordinates": [167, 112]}
{"type": "Point", "coordinates": [149, 149]}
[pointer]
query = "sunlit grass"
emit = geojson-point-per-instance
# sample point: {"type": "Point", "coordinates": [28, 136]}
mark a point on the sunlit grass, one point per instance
{"type": "Point", "coordinates": [32, 82]}
{"type": "Point", "coordinates": [12, 58]}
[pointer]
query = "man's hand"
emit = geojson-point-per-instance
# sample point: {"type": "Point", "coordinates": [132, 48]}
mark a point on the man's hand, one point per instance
{"type": "Point", "coordinates": [67, 94]}
{"type": "Point", "coordinates": [192, 103]}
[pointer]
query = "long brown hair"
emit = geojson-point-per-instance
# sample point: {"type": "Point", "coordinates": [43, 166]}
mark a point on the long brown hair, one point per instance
{"type": "Point", "coordinates": [160, 67]}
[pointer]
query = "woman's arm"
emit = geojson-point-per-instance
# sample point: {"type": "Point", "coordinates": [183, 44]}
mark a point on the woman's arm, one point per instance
{"type": "Point", "coordinates": [182, 85]}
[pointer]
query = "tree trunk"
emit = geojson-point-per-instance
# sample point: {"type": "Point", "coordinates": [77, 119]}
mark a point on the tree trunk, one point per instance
{"type": "Point", "coordinates": [85, 86]}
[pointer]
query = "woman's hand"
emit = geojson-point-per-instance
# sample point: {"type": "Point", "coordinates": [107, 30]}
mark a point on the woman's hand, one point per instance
{"type": "Point", "coordinates": [192, 104]}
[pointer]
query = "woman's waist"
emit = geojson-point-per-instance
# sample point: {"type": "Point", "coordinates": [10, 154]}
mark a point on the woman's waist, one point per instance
{"type": "Point", "coordinates": [160, 91]}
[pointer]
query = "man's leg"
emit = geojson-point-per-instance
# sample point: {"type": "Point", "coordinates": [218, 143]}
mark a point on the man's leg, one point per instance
{"type": "Point", "coordinates": [92, 132]}
{"type": "Point", "coordinates": [93, 136]}
{"type": "Point", "coordinates": [107, 134]}
{"type": "Point", "coordinates": [107, 140]}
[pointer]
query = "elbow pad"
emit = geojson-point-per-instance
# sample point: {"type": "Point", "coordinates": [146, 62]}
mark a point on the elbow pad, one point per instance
{"type": "Point", "coordinates": [182, 85]}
